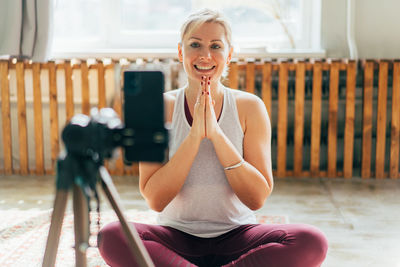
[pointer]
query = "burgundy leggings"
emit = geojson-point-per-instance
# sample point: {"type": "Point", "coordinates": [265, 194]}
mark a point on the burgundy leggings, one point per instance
{"type": "Point", "coordinates": [257, 245]}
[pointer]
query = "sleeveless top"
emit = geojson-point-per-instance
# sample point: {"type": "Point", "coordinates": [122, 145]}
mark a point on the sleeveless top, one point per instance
{"type": "Point", "coordinates": [206, 205]}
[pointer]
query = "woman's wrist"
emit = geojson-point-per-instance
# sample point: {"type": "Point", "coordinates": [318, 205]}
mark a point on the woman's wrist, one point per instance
{"type": "Point", "coordinates": [218, 136]}
{"type": "Point", "coordinates": [194, 138]}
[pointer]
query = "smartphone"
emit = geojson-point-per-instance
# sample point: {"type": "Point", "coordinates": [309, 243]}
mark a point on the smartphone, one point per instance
{"type": "Point", "coordinates": [145, 136]}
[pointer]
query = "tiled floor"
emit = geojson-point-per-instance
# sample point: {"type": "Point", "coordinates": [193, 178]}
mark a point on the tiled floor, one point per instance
{"type": "Point", "coordinates": [361, 218]}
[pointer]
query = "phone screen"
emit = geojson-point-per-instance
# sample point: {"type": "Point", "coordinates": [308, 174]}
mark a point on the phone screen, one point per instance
{"type": "Point", "coordinates": [145, 135]}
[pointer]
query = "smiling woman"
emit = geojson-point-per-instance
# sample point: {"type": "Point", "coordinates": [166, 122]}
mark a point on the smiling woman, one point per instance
{"type": "Point", "coordinates": [218, 172]}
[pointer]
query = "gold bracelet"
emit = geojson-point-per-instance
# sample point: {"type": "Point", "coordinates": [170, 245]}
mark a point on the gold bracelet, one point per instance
{"type": "Point", "coordinates": [234, 166]}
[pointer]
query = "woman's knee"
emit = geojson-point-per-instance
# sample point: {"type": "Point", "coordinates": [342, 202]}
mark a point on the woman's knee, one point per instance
{"type": "Point", "coordinates": [109, 236]}
{"type": "Point", "coordinates": [313, 244]}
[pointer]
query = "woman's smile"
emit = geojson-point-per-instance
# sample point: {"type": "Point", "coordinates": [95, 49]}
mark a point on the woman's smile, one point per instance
{"type": "Point", "coordinates": [204, 68]}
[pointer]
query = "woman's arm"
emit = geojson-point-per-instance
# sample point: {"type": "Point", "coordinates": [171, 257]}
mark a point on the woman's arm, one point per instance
{"type": "Point", "coordinates": [252, 181]}
{"type": "Point", "coordinates": [160, 183]}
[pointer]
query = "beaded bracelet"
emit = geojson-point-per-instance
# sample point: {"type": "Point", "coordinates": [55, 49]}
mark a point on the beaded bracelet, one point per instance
{"type": "Point", "coordinates": [234, 166]}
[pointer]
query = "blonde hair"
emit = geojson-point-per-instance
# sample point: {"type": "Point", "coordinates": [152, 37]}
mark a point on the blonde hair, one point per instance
{"type": "Point", "coordinates": [203, 16]}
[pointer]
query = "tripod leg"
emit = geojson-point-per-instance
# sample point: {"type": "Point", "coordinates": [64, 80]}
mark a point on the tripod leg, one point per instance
{"type": "Point", "coordinates": [60, 203]}
{"type": "Point", "coordinates": [135, 243]}
{"type": "Point", "coordinates": [81, 223]}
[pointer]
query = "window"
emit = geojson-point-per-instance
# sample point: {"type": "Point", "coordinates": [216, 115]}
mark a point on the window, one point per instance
{"type": "Point", "coordinates": [123, 25]}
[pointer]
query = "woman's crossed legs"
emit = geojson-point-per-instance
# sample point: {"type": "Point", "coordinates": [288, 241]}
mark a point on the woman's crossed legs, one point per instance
{"type": "Point", "coordinates": [283, 245]}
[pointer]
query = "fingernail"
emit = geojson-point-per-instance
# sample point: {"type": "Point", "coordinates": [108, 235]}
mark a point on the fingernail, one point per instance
{"type": "Point", "coordinates": [202, 93]}
{"type": "Point", "coordinates": [202, 83]}
{"type": "Point", "coordinates": [208, 93]}
{"type": "Point", "coordinates": [208, 83]}
{"type": "Point", "coordinates": [209, 78]}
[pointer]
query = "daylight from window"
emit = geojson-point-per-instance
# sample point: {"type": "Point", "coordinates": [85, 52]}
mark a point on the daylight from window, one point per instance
{"type": "Point", "coordinates": [260, 25]}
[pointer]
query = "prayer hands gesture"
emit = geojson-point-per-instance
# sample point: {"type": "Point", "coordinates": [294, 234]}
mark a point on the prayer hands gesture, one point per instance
{"type": "Point", "coordinates": [205, 123]}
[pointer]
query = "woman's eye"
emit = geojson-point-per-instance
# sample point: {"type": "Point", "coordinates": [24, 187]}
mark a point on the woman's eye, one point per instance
{"type": "Point", "coordinates": [215, 46]}
{"type": "Point", "coordinates": [195, 45]}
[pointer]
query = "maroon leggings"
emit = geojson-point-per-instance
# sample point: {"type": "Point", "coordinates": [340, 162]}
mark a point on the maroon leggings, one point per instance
{"type": "Point", "coordinates": [257, 245]}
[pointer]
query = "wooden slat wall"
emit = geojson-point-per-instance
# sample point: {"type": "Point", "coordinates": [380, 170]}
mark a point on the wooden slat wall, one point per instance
{"type": "Point", "coordinates": [38, 116]}
{"type": "Point", "coordinates": [381, 121]}
{"type": "Point", "coordinates": [333, 113]}
{"type": "Point", "coordinates": [6, 118]}
{"type": "Point", "coordinates": [395, 131]}
{"type": "Point", "coordinates": [349, 120]}
{"type": "Point", "coordinates": [299, 119]}
{"type": "Point", "coordinates": [367, 119]}
{"type": "Point", "coordinates": [316, 119]}
{"type": "Point", "coordinates": [85, 88]}
{"type": "Point", "coordinates": [260, 77]}
{"type": "Point", "coordinates": [22, 128]}
{"type": "Point", "coordinates": [53, 112]}
{"type": "Point", "coordinates": [282, 119]}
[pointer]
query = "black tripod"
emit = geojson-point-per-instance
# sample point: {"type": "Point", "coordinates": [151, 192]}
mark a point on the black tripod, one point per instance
{"type": "Point", "coordinates": [88, 142]}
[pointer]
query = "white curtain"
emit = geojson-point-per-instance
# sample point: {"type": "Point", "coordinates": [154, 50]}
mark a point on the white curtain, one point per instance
{"type": "Point", "coordinates": [25, 28]}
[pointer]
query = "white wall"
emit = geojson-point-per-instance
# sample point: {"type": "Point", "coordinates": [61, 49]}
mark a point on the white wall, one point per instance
{"type": "Point", "coordinates": [377, 28]}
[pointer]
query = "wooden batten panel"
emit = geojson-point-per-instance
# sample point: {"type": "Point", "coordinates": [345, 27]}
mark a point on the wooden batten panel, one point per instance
{"type": "Point", "coordinates": [37, 109]}
{"type": "Point", "coordinates": [69, 91]}
{"type": "Point", "coordinates": [381, 121]}
{"type": "Point", "coordinates": [282, 119]}
{"type": "Point", "coordinates": [395, 127]}
{"type": "Point", "coordinates": [85, 88]}
{"type": "Point", "coordinates": [266, 90]}
{"type": "Point", "coordinates": [22, 127]}
{"type": "Point", "coordinates": [233, 75]}
{"type": "Point", "coordinates": [101, 85]}
{"type": "Point", "coordinates": [332, 121]}
{"type": "Point", "coordinates": [349, 120]}
{"type": "Point", "coordinates": [299, 119]}
{"type": "Point", "coordinates": [6, 117]}
{"type": "Point", "coordinates": [367, 120]}
{"type": "Point", "coordinates": [53, 104]}
{"type": "Point", "coordinates": [117, 106]}
{"type": "Point", "coordinates": [316, 119]}
{"type": "Point", "coordinates": [250, 77]}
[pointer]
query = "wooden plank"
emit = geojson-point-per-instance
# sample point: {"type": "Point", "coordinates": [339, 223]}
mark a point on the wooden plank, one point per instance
{"type": "Point", "coordinates": [395, 127]}
{"type": "Point", "coordinates": [367, 120]}
{"type": "Point", "coordinates": [349, 120]}
{"type": "Point", "coordinates": [85, 88]}
{"type": "Point", "coordinates": [22, 127]}
{"type": "Point", "coordinates": [299, 119]}
{"type": "Point", "coordinates": [37, 109]}
{"type": "Point", "coordinates": [381, 121]}
{"type": "Point", "coordinates": [250, 77]}
{"type": "Point", "coordinates": [332, 121]}
{"type": "Point", "coordinates": [117, 106]}
{"type": "Point", "coordinates": [282, 120]}
{"type": "Point", "coordinates": [316, 119]}
{"type": "Point", "coordinates": [53, 105]}
{"type": "Point", "coordinates": [266, 89]}
{"type": "Point", "coordinates": [6, 117]}
{"type": "Point", "coordinates": [101, 85]}
{"type": "Point", "coordinates": [233, 75]}
{"type": "Point", "coordinates": [69, 91]}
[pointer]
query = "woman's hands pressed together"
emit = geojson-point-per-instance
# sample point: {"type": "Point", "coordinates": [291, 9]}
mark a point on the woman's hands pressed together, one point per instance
{"type": "Point", "coordinates": [205, 123]}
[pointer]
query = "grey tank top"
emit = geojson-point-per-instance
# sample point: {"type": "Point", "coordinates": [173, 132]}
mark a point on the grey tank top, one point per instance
{"type": "Point", "coordinates": [206, 206]}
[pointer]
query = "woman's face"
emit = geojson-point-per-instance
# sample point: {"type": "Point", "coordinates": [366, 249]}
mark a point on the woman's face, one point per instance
{"type": "Point", "coordinates": [205, 52]}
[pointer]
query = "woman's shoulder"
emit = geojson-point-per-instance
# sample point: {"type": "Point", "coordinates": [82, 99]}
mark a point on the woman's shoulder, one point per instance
{"type": "Point", "coordinates": [169, 102]}
{"type": "Point", "coordinates": [247, 101]}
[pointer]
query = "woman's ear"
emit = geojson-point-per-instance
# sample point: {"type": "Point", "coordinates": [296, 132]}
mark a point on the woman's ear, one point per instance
{"type": "Point", "coordinates": [180, 54]}
{"type": "Point", "coordinates": [228, 60]}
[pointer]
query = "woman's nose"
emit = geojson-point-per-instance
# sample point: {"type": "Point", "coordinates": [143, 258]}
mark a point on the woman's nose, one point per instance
{"type": "Point", "coordinates": [205, 54]}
